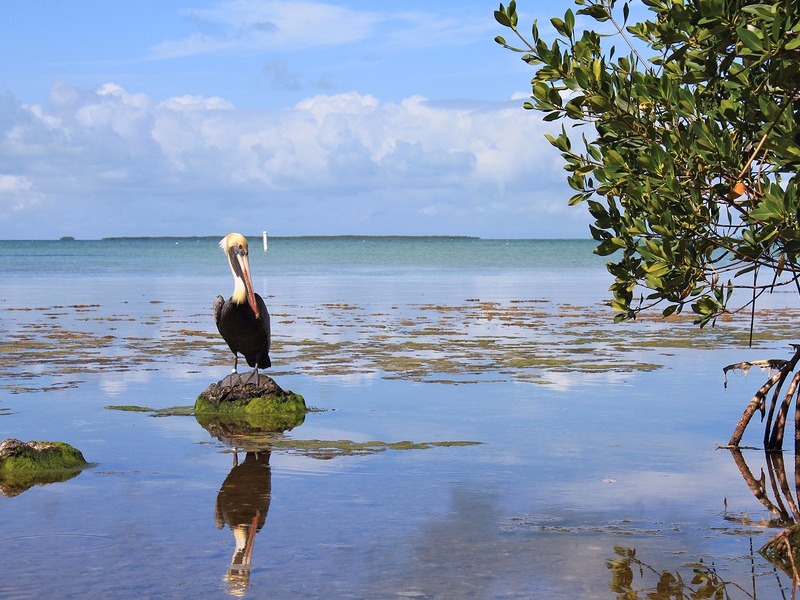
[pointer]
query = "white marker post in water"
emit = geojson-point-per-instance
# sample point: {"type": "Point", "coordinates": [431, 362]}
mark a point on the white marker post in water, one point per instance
{"type": "Point", "coordinates": [266, 245]}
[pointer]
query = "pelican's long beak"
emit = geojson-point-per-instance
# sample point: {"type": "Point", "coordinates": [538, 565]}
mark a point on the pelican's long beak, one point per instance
{"type": "Point", "coordinates": [244, 268]}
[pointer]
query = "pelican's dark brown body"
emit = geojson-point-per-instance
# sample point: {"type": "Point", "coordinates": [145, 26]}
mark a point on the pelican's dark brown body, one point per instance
{"type": "Point", "coordinates": [245, 333]}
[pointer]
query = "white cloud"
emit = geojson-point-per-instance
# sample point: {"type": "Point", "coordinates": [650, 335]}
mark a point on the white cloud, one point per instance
{"type": "Point", "coordinates": [13, 184]}
{"type": "Point", "coordinates": [431, 30]}
{"type": "Point", "coordinates": [17, 193]}
{"type": "Point", "coordinates": [350, 156]}
{"type": "Point", "coordinates": [189, 102]}
{"type": "Point", "coordinates": [255, 25]}
{"type": "Point", "coordinates": [252, 25]}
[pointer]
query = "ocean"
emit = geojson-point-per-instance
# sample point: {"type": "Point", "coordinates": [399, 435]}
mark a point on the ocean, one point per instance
{"type": "Point", "coordinates": [480, 427]}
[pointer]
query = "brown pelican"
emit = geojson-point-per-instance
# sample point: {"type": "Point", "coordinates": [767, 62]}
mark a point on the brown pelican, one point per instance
{"type": "Point", "coordinates": [243, 320]}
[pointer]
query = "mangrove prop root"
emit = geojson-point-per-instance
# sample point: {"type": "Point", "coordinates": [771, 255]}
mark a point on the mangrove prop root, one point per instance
{"type": "Point", "coordinates": [776, 439]}
{"type": "Point", "coordinates": [777, 473]}
{"type": "Point", "coordinates": [783, 508]}
{"type": "Point", "coordinates": [780, 547]}
{"type": "Point", "coordinates": [773, 433]}
{"type": "Point", "coordinates": [790, 554]}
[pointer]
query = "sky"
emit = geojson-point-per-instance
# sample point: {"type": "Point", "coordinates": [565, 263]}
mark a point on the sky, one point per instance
{"type": "Point", "coordinates": [198, 117]}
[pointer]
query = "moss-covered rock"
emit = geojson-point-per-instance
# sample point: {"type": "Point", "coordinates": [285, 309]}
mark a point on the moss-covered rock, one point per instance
{"type": "Point", "coordinates": [233, 406]}
{"type": "Point", "coordinates": [25, 464]}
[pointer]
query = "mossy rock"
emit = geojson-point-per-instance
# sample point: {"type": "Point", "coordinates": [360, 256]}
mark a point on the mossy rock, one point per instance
{"type": "Point", "coordinates": [23, 465]}
{"type": "Point", "coordinates": [232, 407]}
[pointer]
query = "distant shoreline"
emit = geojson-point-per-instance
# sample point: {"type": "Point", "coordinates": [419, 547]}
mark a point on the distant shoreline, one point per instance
{"type": "Point", "coordinates": [298, 237]}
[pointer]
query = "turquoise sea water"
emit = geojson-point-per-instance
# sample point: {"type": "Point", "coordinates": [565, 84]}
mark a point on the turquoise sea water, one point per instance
{"type": "Point", "coordinates": [308, 271]}
{"type": "Point", "coordinates": [592, 441]}
{"type": "Point", "coordinates": [192, 256]}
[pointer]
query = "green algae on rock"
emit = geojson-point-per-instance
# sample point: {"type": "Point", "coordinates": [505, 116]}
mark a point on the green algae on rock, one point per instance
{"type": "Point", "coordinates": [236, 405]}
{"type": "Point", "coordinates": [23, 465]}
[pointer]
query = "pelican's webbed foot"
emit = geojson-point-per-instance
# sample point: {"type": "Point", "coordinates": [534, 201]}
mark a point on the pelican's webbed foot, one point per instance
{"type": "Point", "coordinates": [230, 380]}
{"type": "Point", "coordinates": [250, 379]}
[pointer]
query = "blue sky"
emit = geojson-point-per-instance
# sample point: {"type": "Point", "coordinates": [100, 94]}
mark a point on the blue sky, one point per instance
{"type": "Point", "coordinates": [302, 118]}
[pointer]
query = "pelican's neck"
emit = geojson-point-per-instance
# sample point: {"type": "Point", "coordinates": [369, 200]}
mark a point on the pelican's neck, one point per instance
{"type": "Point", "coordinates": [239, 295]}
{"type": "Point", "coordinates": [240, 533]}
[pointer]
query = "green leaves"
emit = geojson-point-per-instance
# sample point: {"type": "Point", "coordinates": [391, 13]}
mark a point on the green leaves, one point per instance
{"type": "Point", "coordinates": [706, 308]}
{"type": "Point", "coordinates": [566, 25]}
{"type": "Point", "coordinates": [753, 44]}
{"type": "Point", "coordinates": [598, 12]}
{"type": "Point", "coordinates": [507, 17]}
{"type": "Point", "coordinates": [689, 151]}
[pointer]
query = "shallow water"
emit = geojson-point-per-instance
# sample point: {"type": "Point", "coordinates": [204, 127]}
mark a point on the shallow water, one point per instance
{"type": "Point", "coordinates": [581, 458]}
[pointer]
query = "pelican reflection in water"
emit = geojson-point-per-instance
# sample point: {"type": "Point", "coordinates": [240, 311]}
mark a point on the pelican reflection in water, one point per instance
{"type": "Point", "coordinates": [242, 504]}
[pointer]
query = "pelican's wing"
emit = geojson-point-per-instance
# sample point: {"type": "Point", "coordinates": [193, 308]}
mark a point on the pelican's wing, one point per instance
{"type": "Point", "coordinates": [219, 517]}
{"type": "Point", "coordinates": [219, 301]}
{"type": "Point", "coordinates": [262, 309]}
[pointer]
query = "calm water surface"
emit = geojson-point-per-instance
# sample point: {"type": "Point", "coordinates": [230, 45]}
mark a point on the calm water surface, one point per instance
{"type": "Point", "coordinates": [572, 471]}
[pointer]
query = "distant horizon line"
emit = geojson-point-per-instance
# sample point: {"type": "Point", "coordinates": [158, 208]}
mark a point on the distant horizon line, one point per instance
{"type": "Point", "coordinates": [279, 237]}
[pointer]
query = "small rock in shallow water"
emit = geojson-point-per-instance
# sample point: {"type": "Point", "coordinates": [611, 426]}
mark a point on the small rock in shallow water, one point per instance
{"type": "Point", "coordinates": [233, 388]}
{"type": "Point", "coordinates": [24, 464]}
{"type": "Point", "coordinates": [40, 456]}
{"type": "Point", "coordinates": [228, 410]}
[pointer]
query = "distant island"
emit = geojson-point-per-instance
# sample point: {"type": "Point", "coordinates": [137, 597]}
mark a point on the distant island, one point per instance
{"type": "Point", "coordinates": [299, 237]}
{"type": "Point", "coordinates": [161, 237]}
{"type": "Point", "coordinates": [66, 238]}
{"type": "Point", "coordinates": [379, 237]}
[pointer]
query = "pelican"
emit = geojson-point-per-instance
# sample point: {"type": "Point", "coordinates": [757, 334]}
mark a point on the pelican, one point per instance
{"type": "Point", "coordinates": [243, 320]}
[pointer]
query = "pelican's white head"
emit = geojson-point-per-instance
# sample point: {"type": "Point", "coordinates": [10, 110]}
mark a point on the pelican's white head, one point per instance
{"type": "Point", "coordinates": [235, 247]}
